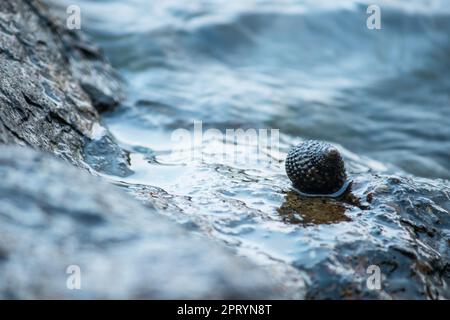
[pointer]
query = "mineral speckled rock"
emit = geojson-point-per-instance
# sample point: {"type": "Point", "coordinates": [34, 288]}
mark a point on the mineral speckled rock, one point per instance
{"type": "Point", "coordinates": [316, 168]}
{"type": "Point", "coordinates": [51, 84]}
{"type": "Point", "coordinates": [52, 216]}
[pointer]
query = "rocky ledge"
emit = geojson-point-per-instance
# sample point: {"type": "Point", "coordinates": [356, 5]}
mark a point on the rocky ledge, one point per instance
{"type": "Point", "coordinates": [53, 216]}
{"type": "Point", "coordinates": [53, 84]}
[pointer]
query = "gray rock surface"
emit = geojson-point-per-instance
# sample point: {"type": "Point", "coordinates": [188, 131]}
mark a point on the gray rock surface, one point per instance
{"type": "Point", "coordinates": [52, 85]}
{"type": "Point", "coordinates": [52, 216]}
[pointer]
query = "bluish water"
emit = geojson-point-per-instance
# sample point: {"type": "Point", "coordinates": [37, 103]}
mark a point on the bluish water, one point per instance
{"type": "Point", "coordinates": [311, 69]}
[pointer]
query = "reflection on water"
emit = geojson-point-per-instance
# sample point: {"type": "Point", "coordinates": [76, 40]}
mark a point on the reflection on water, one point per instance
{"type": "Point", "coordinates": [300, 210]}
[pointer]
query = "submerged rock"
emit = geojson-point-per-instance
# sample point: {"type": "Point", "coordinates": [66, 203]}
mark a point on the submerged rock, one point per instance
{"type": "Point", "coordinates": [52, 85]}
{"type": "Point", "coordinates": [52, 216]}
{"type": "Point", "coordinates": [305, 210]}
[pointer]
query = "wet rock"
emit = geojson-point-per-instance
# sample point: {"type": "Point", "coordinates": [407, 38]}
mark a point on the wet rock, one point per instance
{"type": "Point", "coordinates": [395, 224]}
{"type": "Point", "coordinates": [403, 232]}
{"type": "Point", "coordinates": [52, 84]}
{"type": "Point", "coordinates": [303, 210]}
{"type": "Point", "coordinates": [53, 216]}
{"type": "Point", "coordinates": [399, 224]}
{"type": "Point", "coordinates": [104, 155]}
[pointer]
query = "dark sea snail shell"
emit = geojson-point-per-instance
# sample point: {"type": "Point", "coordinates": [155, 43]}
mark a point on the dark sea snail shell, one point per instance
{"type": "Point", "coordinates": [316, 168]}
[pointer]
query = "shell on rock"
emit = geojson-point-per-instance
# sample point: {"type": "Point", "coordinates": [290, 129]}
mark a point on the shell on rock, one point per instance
{"type": "Point", "coordinates": [316, 168]}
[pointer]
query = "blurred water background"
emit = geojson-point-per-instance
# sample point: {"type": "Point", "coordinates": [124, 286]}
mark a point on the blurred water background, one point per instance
{"type": "Point", "coordinates": [310, 68]}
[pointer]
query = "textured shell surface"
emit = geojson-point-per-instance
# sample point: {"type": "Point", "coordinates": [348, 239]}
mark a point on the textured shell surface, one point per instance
{"type": "Point", "coordinates": [316, 168]}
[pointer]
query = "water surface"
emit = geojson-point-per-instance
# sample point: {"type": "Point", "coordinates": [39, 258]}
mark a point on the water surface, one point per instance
{"type": "Point", "coordinates": [311, 69]}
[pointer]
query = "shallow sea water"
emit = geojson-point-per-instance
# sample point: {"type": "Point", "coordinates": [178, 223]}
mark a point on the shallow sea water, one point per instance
{"type": "Point", "coordinates": [311, 69]}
